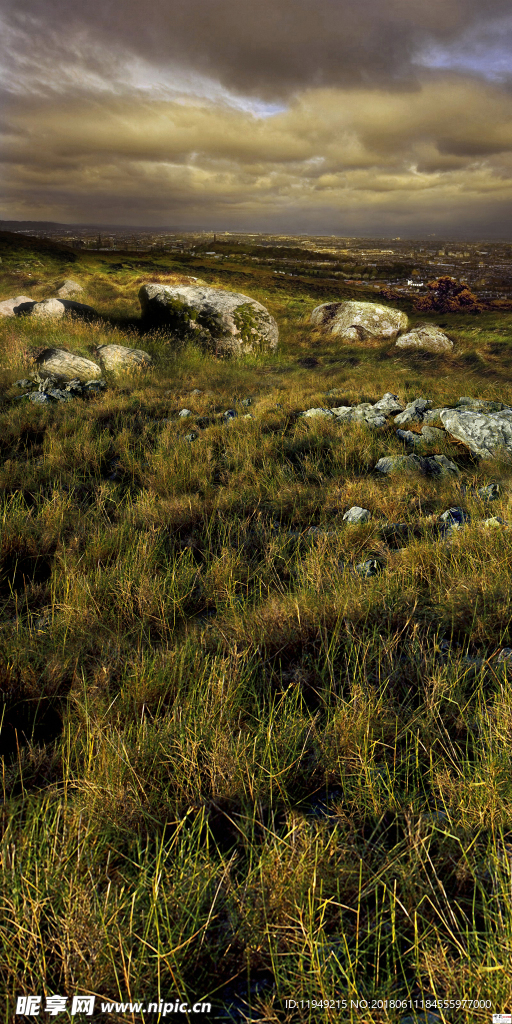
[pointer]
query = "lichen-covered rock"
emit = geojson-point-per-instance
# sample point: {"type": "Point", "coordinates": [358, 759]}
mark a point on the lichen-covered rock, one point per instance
{"type": "Point", "coordinates": [429, 465]}
{"type": "Point", "coordinates": [68, 288]}
{"type": "Point", "coordinates": [359, 321]}
{"type": "Point", "coordinates": [64, 365]}
{"type": "Point", "coordinates": [8, 307]}
{"type": "Point", "coordinates": [116, 358]}
{"type": "Point", "coordinates": [414, 412]}
{"type": "Point", "coordinates": [433, 433]}
{"type": "Point", "coordinates": [483, 433]}
{"type": "Point", "coordinates": [427, 337]}
{"type": "Point", "coordinates": [357, 515]}
{"type": "Point", "coordinates": [227, 323]}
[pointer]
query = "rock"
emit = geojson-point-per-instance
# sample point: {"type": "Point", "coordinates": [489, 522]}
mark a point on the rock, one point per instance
{"type": "Point", "coordinates": [313, 413]}
{"type": "Point", "coordinates": [227, 323]}
{"type": "Point", "coordinates": [64, 365]}
{"type": "Point", "coordinates": [453, 519]}
{"type": "Point", "coordinates": [483, 433]}
{"type": "Point", "coordinates": [183, 413]}
{"type": "Point", "coordinates": [359, 321]}
{"type": "Point", "coordinates": [490, 492]}
{"type": "Point", "coordinates": [8, 307]}
{"type": "Point", "coordinates": [69, 287]}
{"type": "Point", "coordinates": [230, 414]}
{"type": "Point", "coordinates": [410, 437]}
{"type": "Point", "coordinates": [389, 403]}
{"type": "Point", "coordinates": [430, 465]}
{"type": "Point", "coordinates": [431, 415]}
{"type": "Point", "coordinates": [357, 515]}
{"type": "Point", "coordinates": [56, 309]}
{"type": "Point", "coordinates": [414, 412]}
{"type": "Point", "coordinates": [53, 389]}
{"type": "Point", "coordinates": [116, 358]}
{"type": "Point", "coordinates": [479, 405]}
{"type": "Point", "coordinates": [432, 433]}
{"type": "Point", "coordinates": [427, 337]}
{"type": "Point", "coordinates": [495, 521]}
{"type": "Point", "coordinates": [369, 568]}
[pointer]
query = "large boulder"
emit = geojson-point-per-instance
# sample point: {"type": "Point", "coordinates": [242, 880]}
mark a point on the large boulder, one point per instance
{"type": "Point", "coordinates": [69, 287]}
{"type": "Point", "coordinates": [427, 337]}
{"type": "Point", "coordinates": [55, 309]}
{"type": "Point", "coordinates": [8, 307]}
{"type": "Point", "coordinates": [116, 358]}
{"type": "Point", "coordinates": [66, 366]}
{"type": "Point", "coordinates": [360, 321]}
{"type": "Point", "coordinates": [484, 433]}
{"type": "Point", "coordinates": [227, 323]}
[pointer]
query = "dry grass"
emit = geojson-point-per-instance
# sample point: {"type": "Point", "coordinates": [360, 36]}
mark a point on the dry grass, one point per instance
{"type": "Point", "coordinates": [233, 769]}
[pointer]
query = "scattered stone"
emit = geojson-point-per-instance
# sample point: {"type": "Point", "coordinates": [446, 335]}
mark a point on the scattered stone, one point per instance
{"type": "Point", "coordinates": [227, 323]}
{"type": "Point", "coordinates": [69, 287]}
{"type": "Point", "coordinates": [430, 465]}
{"type": "Point", "coordinates": [230, 414]}
{"type": "Point", "coordinates": [51, 388]}
{"type": "Point", "coordinates": [483, 433]}
{"type": "Point", "coordinates": [59, 363]}
{"type": "Point", "coordinates": [56, 309]}
{"type": "Point", "coordinates": [369, 568]}
{"type": "Point", "coordinates": [479, 405]}
{"type": "Point", "coordinates": [490, 492]}
{"type": "Point", "coordinates": [192, 436]}
{"type": "Point", "coordinates": [414, 412]}
{"type": "Point", "coordinates": [246, 401]}
{"type": "Point", "coordinates": [9, 307]}
{"type": "Point", "coordinates": [359, 321]}
{"type": "Point", "coordinates": [427, 337]}
{"type": "Point", "coordinates": [119, 357]}
{"type": "Point", "coordinates": [357, 515]}
{"type": "Point", "coordinates": [455, 515]}
{"type": "Point", "coordinates": [312, 413]}
{"type": "Point", "coordinates": [183, 413]}
{"type": "Point", "coordinates": [495, 521]}
{"type": "Point", "coordinates": [410, 437]}
{"type": "Point", "coordinates": [432, 433]}
{"type": "Point", "coordinates": [389, 403]}
{"type": "Point", "coordinates": [196, 391]}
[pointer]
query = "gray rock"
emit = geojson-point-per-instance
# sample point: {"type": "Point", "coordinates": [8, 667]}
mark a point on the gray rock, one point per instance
{"type": "Point", "coordinates": [483, 433]}
{"type": "Point", "coordinates": [56, 309]}
{"type": "Point", "coordinates": [479, 405]}
{"type": "Point", "coordinates": [414, 412]}
{"type": "Point", "coordinates": [432, 433]}
{"type": "Point", "coordinates": [230, 414]}
{"type": "Point", "coordinates": [183, 413]}
{"type": "Point", "coordinates": [455, 515]}
{"type": "Point", "coordinates": [410, 437]}
{"type": "Point", "coordinates": [369, 568]}
{"type": "Point", "coordinates": [50, 388]}
{"type": "Point", "coordinates": [495, 521]}
{"type": "Point", "coordinates": [68, 288]}
{"type": "Point", "coordinates": [490, 492]}
{"type": "Point", "coordinates": [227, 323]}
{"type": "Point", "coordinates": [8, 307]}
{"type": "Point", "coordinates": [64, 365]}
{"type": "Point", "coordinates": [192, 436]}
{"type": "Point", "coordinates": [430, 465]}
{"type": "Point", "coordinates": [389, 403]}
{"type": "Point", "coordinates": [246, 401]}
{"type": "Point", "coordinates": [357, 515]}
{"type": "Point", "coordinates": [116, 358]}
{"type": "Point", "coordinates": [313, 413]}
{"type": "Point", "coordinates": [431, 415]}
{"type": "Point", "coordinates": [427, 337]}
{"type": "Point", "coordinates": [359, 321]}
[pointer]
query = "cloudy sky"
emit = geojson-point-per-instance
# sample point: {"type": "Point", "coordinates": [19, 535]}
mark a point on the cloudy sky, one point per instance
{"type": "Point", "coordinates": [351, 117]}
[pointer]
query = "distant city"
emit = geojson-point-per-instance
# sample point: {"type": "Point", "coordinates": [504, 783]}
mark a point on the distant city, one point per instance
{"type": "Point", "coordinates": [404, 266]}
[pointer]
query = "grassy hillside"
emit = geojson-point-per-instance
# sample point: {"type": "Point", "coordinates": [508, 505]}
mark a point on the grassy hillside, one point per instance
{"type": "Point", "coordinates": [232, 769]}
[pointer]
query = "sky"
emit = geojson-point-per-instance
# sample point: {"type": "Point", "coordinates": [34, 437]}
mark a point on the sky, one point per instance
{"type": "Point", "coordinates": [344, 117]}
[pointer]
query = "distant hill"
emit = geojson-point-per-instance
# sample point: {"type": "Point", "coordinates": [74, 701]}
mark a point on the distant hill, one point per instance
{"type": "Point", "coordinates": [14, 247]}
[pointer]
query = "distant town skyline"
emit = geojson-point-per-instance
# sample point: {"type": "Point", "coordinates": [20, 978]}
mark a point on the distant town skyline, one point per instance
{"type": "Point", "coordinates": [375, 118]}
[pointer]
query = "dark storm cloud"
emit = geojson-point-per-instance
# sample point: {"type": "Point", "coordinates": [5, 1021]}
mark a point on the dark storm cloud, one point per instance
{"type": "Point", "coordinates": [268, 48]}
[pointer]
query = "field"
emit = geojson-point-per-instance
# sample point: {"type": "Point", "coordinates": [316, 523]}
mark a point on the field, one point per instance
{"type": "Point", "coordinates": [234, 771]}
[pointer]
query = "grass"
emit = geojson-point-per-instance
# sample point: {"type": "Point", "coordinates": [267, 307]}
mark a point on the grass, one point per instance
{"type": "Point", "coordinates": [233, 771]}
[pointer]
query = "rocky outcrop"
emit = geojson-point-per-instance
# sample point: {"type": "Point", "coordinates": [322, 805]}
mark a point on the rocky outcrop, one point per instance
{"type": "Point", "coordinates": [68, 288]}
{"type": "Point", "coordinates": [430, 465]}
{"type": "Point", "coordinates": [50, 389]}
{"type": "Point", "coordinates": [427, 337]}
{"type": "Point", "coordinates": [66, 366]}
{"type": "Point", "coordinates": [226, 323]}
{"type": "Point", "coordinates": [117, 358]}
{"type": "Point", "coordinates": [9, 307]}
{"type": "Point", "coordinates": [359, 321]}
{"type": "Point", "coordinates": [484, 433]}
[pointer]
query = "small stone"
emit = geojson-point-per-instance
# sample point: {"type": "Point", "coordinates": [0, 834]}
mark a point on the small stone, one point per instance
{"type": "Point", "coordinates": [246, 401]}
{"type": "Point", "coordinates": [312, 413]}
{"type": "Point", "coordinates": [494, 521]}
{"type": "Point", "coordinates": [184, 412]}
{"type": "Point", "coordinates": [230, 414]}
{"type": "Point", "coordinates": [413, 412]}
{"type": "Point", "coordinates": [490, 492]}
{"type": "Point", "coordinates": [389, 403]}
{"type": "Point", "coordinates": [409, 437]}
{"type": "Point", "coordinates": [196, 391]}
{"type": "Point", "coordinates": [455, 515]}
{"type": "Point", "coordinates": [192, 436]}
{"type": "Point", "coordinates": [369, 568]}
{"type": "Point", "coordinates": [357, 515]}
